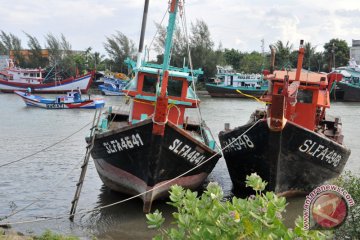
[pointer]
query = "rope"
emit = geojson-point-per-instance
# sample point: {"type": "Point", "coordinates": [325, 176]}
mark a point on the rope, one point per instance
{"type": "Point", "coordinates": [184, 24]}
{"type": "Point", "coordinates": [44, 149]}
{"type": "Point", "coordinates": [43, 195]}
{"type": "Point", "coordinates": [157, 30]}
{"type": "Point", "coordinates": [251, 96]}
{"type": "Point", "coordinates": [138, 195]}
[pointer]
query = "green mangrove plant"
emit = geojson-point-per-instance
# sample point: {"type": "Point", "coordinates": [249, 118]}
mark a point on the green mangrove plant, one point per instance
{"type": "Point", "coordinates": [209, 216]}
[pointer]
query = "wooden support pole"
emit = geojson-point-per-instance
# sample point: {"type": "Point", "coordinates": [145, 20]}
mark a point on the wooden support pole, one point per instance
{"type": "Point", "coordinates": [89, 147]}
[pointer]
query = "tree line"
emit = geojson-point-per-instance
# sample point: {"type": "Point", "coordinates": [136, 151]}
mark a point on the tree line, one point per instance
{"type": "Point", "coordinates": [205, 53]}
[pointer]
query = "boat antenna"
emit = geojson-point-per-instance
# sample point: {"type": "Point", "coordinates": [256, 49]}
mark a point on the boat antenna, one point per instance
{"type": "Point", "coordinates": [142, 34]}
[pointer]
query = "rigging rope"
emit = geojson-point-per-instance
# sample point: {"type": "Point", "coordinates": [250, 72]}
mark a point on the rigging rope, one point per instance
{"type": "Point", "coordinates": [41, 197]}
{"type": "Point", "coordinates": [157, 30]}
{"type": "Point", "coordinates": [42, 150]}
{"type": "Point", "coordinates": [184, 25]}
{"type": "Point", "coordinates": [138, 195]}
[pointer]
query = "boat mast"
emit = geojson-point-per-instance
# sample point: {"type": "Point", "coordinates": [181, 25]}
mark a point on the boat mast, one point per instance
{"type": "Point", "coordinates": [160, 117]}
{"type": "Point", "coordinates": [142, 34]}
{"type": "Point", "coordinates": [139, 55]}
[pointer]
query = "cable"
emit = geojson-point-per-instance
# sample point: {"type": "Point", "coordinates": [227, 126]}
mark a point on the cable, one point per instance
{"type": "Point", "coordinates": [138, 195]}
{"type": "Point", "coordinates": [42, 150]}
{"type": "Point", "coordinates": [43, 195]}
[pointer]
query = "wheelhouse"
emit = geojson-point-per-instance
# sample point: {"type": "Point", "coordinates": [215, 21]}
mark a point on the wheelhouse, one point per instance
{"type": "Point", "coordinates": [144, 92]}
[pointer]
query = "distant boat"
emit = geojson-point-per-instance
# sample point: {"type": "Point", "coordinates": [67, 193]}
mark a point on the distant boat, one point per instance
{"type": "Point", "coordinates": [229, 83]}
{"type": "Point", "coordinates": [112, 86]}
{"type": "Point", "coordinates": [14, 78]}
{"type": "Point", "coordinates": [348, 89]}
{"type": "Point", "coordinates": [71, 100]}
{"type": "Point", "coordinates": [293, 144]}
{"type": "Point", "coordinates": [144, 151]}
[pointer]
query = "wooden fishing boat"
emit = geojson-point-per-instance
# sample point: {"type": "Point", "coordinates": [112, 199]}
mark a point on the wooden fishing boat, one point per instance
{"type": "Point", "coordinates": [293, 144]}
{"type": "Point", "coordinates": [229, 83]}
{"type": "Point", "coordinates": [348, 89]}
{"type": "Point", "coordinates": [112, 86]}
{"type": "Point", "coordinates": [153, 146]}
{"type": "Point", "coordinates": [71, 100]}
{"type": "Point", "coordinates": [20, 79]}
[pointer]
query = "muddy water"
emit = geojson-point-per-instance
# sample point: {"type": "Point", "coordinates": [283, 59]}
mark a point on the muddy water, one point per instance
{"type": "Point", "coordinates": [47, 180]}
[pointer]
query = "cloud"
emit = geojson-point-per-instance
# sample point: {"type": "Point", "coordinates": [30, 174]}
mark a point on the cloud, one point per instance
{"type": "Point", "coordinates": [236, 24]}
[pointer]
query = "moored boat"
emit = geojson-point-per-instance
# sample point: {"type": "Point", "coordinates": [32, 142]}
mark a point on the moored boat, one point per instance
{"type": "Point", "coordinates": [229, 83]}
{"type": "Point", "coordinates": [348, 89]}
{"type": "Point", "coordinates": [293, 144]}
{"type": "Point", "coordinates": [19, 79]}
{"type": "Point", "coordinates": [71, 100]}
{"type": "Point", "coordinates": [144, 151]}
{"type": "Point", "coordinates": [112, 86]}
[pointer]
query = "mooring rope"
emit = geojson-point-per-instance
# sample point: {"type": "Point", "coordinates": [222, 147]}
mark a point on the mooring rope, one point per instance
{"type": "Point", "coordinates": [42, 196]}
{"type": "Point", "coordinates": [135, 196]}
{"type": "Point", "coordinates": [41, 150]}
{"type": "Point", "coordinates": [46, 148]}
{"type": "Point", "coordinates": [251, 96]}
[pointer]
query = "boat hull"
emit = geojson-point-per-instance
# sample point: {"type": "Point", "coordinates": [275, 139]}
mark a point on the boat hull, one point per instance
{"type": "Point", "coordinates": [111, 93]}
{"type": "Point", "coordinates": [132, 160]}
{"type": "Point", "coordinates": [292, 160]}
{"type": "Point", "coordinates": [347, 92]}
{"type": "Point", "coordinates": [82, 83]}
{"type": "Point", "coordinates": [37, 101]}
{"type": "Point", "coordinates": [228, 91]}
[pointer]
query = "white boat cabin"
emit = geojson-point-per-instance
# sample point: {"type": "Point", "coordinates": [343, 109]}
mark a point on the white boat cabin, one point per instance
{"type": "Point", "coordinates": [22, 75]}
{"type": "Point", "coordinates": [73, 96]}
{"type": "Point", "coordinates": [228, 77]}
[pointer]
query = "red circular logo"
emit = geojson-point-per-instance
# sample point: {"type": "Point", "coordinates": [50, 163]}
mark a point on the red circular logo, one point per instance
{"type": "Point", "coordinates": [329, 210]}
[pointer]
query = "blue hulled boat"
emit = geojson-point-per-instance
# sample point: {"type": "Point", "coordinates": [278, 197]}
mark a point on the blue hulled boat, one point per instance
{"type": "Point", "coordinates": [112, 86]}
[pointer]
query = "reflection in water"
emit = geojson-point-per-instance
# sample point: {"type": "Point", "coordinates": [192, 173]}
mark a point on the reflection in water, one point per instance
{"type": "Point", "coordinates": [122, 221]}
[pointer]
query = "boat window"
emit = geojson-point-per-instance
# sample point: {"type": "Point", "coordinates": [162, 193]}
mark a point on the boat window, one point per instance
{"type": "Point", "coordinates": [304, 96]}
{"type": "Point", "coordinates": [149, 85]}
{"type": "Point", "coordinates": [175, 87]}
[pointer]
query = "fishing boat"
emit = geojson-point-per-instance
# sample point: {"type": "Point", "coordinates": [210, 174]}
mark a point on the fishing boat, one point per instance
{"type": "Point", "coordinates": [293, 144]}
{"type": "Point", "coordinates": [112, 86]}
{"type": "Point", "coordinates": [70, 100]}
{"type": "Point", "coordinates": [20, 79]}
{"type": "Point", "coordinates": [154, 145]}
{"type": "Point", "coordinates": [229, 83]}
{"type": "Point", "coordinates": [348, 88]}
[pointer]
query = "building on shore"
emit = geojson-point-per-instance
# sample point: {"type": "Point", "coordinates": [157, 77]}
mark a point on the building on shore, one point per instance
{"type": "Point", "coordinates": [355, 51]}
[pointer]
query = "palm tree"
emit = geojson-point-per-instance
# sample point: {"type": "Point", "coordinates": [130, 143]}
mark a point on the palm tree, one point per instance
{"type": "Point", "coordinates": [283, 53]}
{"type": "Point", "coordinates": [119, 47]}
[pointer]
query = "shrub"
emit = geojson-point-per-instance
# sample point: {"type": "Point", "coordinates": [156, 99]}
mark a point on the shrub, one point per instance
{"type": "Point", "coordinates": [210, 217]}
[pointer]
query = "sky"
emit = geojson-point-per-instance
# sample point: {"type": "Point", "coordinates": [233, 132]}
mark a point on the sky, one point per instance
{"type": "Point", "coordinates": [238, 24]}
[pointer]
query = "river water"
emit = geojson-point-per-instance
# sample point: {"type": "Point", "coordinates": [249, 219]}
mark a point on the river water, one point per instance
{"type": "Point", "coordinates": [45, 182]}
